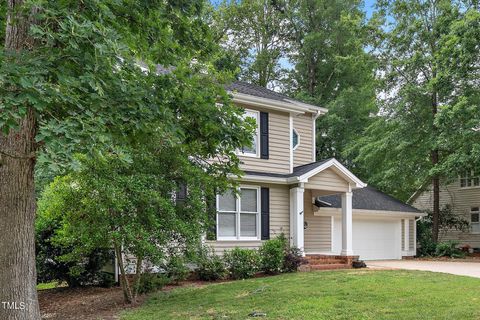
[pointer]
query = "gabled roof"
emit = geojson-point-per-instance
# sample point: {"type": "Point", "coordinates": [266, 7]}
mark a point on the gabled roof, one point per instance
{"type": "Point", "coordinates": [252, 94]}
{"type": "Point", "coordinates": [304, 172]}
{"type": "Point", "coordinates": [369, 198]}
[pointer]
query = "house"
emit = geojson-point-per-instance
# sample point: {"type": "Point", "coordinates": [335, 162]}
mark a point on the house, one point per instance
{"type": "Point", "coordinates": [463, 197]}
{"type": "Point", "coordinates": [319, 204]}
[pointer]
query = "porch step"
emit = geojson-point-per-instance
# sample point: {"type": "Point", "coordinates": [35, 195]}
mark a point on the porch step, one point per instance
{"type": "Point", "coordinates": [325, 259]}
{"type": "Point", "coordinates": [331, 266]}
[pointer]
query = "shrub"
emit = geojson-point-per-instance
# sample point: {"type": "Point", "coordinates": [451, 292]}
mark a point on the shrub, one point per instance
{"type": "Point", "coordinates": [293, 260]}
{"type": "Point", "coordinates": [242, 263]}
{"type": "Point", "coordinates": [107, 280]}
{"type": "Point", "coordinates": [449, 249]}
{"type": "Point", "coordinates": [150, 282]}
{"type": "Point", "coordinates": [272, 254]}
{"type": "Point", "coordinates": [211, 267]}
{"type": "Point", "coordinates": [176, 269]}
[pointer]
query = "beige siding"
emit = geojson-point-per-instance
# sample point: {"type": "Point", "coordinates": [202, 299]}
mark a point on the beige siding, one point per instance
{"type": "Point", "coordinates": [303, 154]}
{"type": "Point", "coordinates": [461, 200]}
{"type": "Point", "coordinates": [318, 235]}
{"type": "Point", "coordinates": [403, 235]}
{"type": "Point", "coordinates": [279, 220]}
{"type": "Point", "coordinates": [327, 180]}
{"type": "Point", "coordinates": [279, 145]}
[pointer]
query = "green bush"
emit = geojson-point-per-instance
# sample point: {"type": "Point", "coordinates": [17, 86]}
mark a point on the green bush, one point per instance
{"type": "Point", "coordinates": [293, 259]}
{"type": "Point", "coordinates": [242, 263]}
{"type": "Point", "coordinates": [176, 269]}
{"type": "Point", "coordinates": [107, 280]}
{"type": "Point", "coordinates": [272, 254]}
{"type": "Point", "coordinates": [449, 249]}
{"type": "Point", "coordinates": [150, 282]}
{"type": "Point", "coordinates": [211, 267]}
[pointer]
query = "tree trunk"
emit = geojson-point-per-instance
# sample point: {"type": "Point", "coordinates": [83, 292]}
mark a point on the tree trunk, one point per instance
{"type": "Point", "coordinates": [127, 291]}
{"type": "Point", "coordinates": [138, 278]}
{"type": "Point", "coordinates": [18, 293]}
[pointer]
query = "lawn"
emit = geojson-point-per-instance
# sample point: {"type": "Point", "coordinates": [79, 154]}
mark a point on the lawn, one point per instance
{"type": "Point", "coordinates": [348, 294]}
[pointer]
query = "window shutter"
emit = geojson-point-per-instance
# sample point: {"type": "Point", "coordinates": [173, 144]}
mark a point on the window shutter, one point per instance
{"type": "Point", "coordinates": [265, 213]}
{"type": "Point", "coordinates": [264, 135]}
{"type": "Point", "coordinates": [212, 218]}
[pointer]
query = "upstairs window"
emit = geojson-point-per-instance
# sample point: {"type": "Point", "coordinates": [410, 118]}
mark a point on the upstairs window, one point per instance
{"type": "Point", "coordinates": [468, 180]}
{"type": "Point", "coordinates": [253, 150]}
{"type": "Point", "coordinates": [295, 139]}
{"type": "Point", "coordinates": [475, 220]}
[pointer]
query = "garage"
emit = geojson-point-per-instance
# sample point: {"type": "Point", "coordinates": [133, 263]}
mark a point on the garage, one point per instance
{"type": "Point", "coordinates": [382, 227]}
{"type": "Point", "coordinates": [377, 239]}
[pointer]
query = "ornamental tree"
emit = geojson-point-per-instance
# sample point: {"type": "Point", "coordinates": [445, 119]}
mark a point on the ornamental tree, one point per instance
{"type": "Point", "coordinates": [70, 81]}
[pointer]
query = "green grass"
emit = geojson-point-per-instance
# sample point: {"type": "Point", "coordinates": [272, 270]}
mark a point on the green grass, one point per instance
{"type": "Point", "coordinates": [50, 285]}
{"type": "Point", "coordinates": [347, 294]}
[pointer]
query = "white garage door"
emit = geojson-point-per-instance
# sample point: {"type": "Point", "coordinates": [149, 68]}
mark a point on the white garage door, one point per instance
{"type": "Point", "coordinates": [377, 239]}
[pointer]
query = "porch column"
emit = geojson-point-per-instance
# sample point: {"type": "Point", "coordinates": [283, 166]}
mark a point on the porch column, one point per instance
{"type": "Point", "coordinates": [347, 243]}
{"type": "Point", "coordinates": [296, 217]}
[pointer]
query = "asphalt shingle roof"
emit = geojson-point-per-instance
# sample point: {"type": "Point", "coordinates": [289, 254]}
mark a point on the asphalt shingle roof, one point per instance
{"type": "Point", "coordinates": [369, 198]}
{"type": "Point", "coordinates": [258, 91]}
{"type": "Point", "coordinates": [297, 171]}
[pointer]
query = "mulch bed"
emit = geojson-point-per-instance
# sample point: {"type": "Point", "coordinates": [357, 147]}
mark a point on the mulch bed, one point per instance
{"type": "Point", "coordinates": [92, 303]}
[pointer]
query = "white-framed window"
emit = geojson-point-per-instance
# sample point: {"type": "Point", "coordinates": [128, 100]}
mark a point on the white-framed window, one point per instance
{"type": "Point", "coordinates": [295, 139]}
{"type": "Point", "coordinates": [475, 219]}
{"type": "Point", "coordinates": [238, 214]}
{"type": "Point", "coordinates": [469, 180]}
{"type": "Point", "coordinates": [254, 149]}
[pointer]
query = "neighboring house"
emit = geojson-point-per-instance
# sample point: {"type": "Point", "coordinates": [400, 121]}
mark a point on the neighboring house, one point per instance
{"type": "Point", "coordinates": [463, 196]}
{"type": "Point", "coordinates": [320, 205]}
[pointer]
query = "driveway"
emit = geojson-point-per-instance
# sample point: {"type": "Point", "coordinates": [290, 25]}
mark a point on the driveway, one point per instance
{"type": "Point", "coordinates": [471, 269]}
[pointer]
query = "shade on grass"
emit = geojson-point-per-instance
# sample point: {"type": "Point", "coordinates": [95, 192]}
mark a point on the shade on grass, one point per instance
{"type": "Point", "coordinates": [348, 294]}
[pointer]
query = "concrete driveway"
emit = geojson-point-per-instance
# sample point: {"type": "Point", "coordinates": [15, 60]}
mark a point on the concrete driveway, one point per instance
{"type": "Point", "coordinates": [471, 269]}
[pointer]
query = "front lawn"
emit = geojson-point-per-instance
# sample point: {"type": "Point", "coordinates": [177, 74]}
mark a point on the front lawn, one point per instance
{"type": "Point", "coordinates": [349, 294]}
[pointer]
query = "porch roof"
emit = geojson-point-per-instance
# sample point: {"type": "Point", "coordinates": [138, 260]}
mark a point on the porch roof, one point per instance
{"type": "Point", "coordinates": [304, 172]}
{"type": "Point", "coordinates": [368, 198]}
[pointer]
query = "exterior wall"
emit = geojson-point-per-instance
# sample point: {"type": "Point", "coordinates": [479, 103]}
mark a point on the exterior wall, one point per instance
{"type": "Point", "coordinates": [279, 220]}
{"type": "Point", "coordinates": [318, 234]}
{"type": "Point", "coordinates": [461, 200]}
{"type": "Point", "coordinates": [327, 180]}
{"type": "Point", "coordinates": [279, 145]}
{"type": "Point", "coordinates": [303, 154]}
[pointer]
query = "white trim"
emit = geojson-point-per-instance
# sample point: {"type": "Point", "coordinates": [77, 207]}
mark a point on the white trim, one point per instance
{"type": "Point", "coordinates": [290, 125]}
{"type": "Point", "coordinates": [365, 212]}
{"type": "Point", "coordinates": [341, 169]}
{"type": "Point", "coordinates": [298, 139]}
{"type": "Point", "coordinates": [314, 136]}
{"type": "Point", "coordinates": [290, 106]}
{"type": "Point", "coordinates": [238, 213]}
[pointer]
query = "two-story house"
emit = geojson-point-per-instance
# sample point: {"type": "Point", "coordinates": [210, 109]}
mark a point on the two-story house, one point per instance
{"type": "Point", "coordinates": [318, 203]}
{"type": "Point", "coordinates": [463, 197]}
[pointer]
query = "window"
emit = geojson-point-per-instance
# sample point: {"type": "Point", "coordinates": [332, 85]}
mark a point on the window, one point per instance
{"type": "Point", "coordinates": [239, 214]}
{"type": "Point", "coordinates": [475, 220]}
{"type": "Point", "coordinates": [469, 180]}
{"type": "Point", "coordinates": [252, 150]}
{"type": "Point", "coordinates": [295, 139]}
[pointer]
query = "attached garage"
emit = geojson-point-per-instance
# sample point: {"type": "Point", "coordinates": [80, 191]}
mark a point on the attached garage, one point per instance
{"type": "Point", "coordinates": [382, 226]}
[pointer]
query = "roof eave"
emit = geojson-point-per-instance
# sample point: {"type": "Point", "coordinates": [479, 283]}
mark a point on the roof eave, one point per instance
{"type": "Point", "coordinates": [290, 106]}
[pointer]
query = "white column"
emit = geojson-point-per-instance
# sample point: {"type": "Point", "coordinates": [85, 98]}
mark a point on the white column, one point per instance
{"type": "Point", "coordinates": [347, 243]}
{"type": "Point", "coordinates": [296, 217]}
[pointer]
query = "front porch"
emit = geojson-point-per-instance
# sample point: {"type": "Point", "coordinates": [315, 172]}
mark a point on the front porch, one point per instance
{"type": "Point", "coordinates": [314, 233]}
